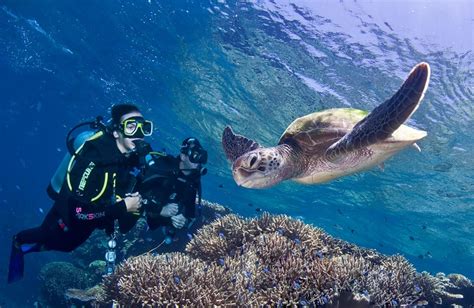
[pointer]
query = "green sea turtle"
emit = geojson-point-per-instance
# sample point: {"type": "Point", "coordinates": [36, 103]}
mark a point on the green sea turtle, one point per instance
{"type": "Point", "coordinates": [326, 145]}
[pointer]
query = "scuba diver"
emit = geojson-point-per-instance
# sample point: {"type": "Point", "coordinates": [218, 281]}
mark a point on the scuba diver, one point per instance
{"type": "Point", "coordinates": [171, 186]}
{"type": "Point", "coordinates": [96, 189]}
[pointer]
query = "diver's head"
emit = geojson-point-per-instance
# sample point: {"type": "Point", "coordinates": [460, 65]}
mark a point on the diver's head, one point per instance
{"type": "Point", "coordinates": [192, 155]}
{"type": "Point", "coordinates": [129, 125]}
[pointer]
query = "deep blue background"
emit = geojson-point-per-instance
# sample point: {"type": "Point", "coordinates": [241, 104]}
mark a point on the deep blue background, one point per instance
{"type": "Point", "coordinates": [196, 66]}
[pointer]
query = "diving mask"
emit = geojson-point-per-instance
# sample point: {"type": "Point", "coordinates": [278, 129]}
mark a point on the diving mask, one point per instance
{"type": "Point", "coordinates": [195, 152]}
{"type": "Point", "coordinates": [136, 127]}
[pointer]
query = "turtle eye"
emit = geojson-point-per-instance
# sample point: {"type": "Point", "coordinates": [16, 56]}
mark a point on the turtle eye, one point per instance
{"type": "Point", "coordinates": [262, 168]}
{"type": "Point", "coordinates": [252, 161]}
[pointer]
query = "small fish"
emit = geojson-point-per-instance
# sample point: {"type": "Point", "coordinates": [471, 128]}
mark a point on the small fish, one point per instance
{"type": "Point", "coordinates": [418, 289]}
{"type": "Point", "coordinates": [190, 236]}
{"type": "Point", "coordinates": [221, 235]}
{"type": "Point", "coordinates": [325, 299]}
{"type": "Point", "coordinates": [221, 261]}
{"type": "Point", "coordinates": [296, 285]}
{"type": "Point", "coordinates": [352, 231]}
{"type": "Point", "coordinates": [412, 238]}
{"type": "Point", "coordinates": [304, 302]}
{"type": "Point", "coordinates": [421, 257]}
{"type": "Point", "coordinates": [250, 204]}
{"type": "Point", "coordinates": [297, 241]}
{"type": "Point", "coordinates": [339, 211]}
{"type": "Point", "coordinates": [41, 210]}
{"type": "Point", "coordinates": [443, 167]}
{"type": "Point", "coordinates": [424, 227]}
{"type": "Point", "coordinates": [386, 23]}
{"type": "Point", "coordinates": [258, 209]}
{"type": "Point", "coordinates": [221, 186]}
{"type": "Point", "coordinates": [177, 280]}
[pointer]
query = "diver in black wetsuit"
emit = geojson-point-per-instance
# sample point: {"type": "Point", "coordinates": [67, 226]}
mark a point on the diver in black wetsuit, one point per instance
{"type": "Point", "coordinates": [97, 190]}
{"type": "Point", "coordinates": [171, 186]}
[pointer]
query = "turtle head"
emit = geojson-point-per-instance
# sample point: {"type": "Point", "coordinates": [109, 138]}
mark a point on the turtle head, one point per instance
{"type": "Point", "coordinates": [259, 168]}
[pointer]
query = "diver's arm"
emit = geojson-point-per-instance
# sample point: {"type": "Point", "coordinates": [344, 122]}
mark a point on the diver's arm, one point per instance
{"type": "Point", "coordinates": [89, 211]}
{"type": "Point", "coordinates": [92, 211]}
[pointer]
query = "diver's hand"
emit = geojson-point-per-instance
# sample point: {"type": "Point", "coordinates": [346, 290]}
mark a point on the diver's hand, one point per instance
{"type": "Point", "coordinates": [178, 221]}
{"type": "Point", "coordinates": [133, 202]}
{"type": "Point", "coordinates": [169, 210]}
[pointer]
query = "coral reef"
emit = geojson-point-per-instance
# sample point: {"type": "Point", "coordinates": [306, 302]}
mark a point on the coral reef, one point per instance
{"type": "Point", "coordinates": [56, 277]}
{"type": "Point", "coordinates": [270, 260]}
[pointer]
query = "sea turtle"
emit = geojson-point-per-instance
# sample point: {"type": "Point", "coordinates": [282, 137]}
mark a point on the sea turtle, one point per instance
{"type": "Point", "coordinates": [329, 144]}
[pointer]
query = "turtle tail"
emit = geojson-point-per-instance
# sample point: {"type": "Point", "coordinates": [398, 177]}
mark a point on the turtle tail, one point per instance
{"type": "Point", "coordinates": [236, 145]}
{"type": "Point", "coordinates": [387, 117]}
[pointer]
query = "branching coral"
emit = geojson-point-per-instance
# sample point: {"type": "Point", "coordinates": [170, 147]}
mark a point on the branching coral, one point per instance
{"type": "Point", "coordinates": [269, 261]}
{"type": "Point", "coordinates": [228, 234]}
{"type": "Point", "coordinates": [170, 279]}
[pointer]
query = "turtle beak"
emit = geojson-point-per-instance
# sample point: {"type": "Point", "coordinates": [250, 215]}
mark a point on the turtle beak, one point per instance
{"type": "Point", "coordinates": [240, 172]}
{"type": "Point", "coordinates": [248, 171]}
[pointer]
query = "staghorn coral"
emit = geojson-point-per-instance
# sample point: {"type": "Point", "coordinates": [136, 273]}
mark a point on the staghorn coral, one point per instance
{"type": "Point", "coordinates": [445, 290]}
{"type": "Point", "coordinates": [269, 261]}
{"type": "Point", "coordinates": [225, 235]}
{"type": "Point", "coordinates": [460, 281]}
{"type": "Point", "coordinates": [169, 279]}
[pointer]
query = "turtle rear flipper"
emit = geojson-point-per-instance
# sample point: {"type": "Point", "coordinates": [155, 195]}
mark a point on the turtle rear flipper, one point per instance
{"type": "Point", "coordinates": [387, 117]}
{"type": "Point", "coordinates": [236, 145]}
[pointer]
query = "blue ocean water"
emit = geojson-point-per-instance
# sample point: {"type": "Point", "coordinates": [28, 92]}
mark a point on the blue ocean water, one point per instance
{"type": "Point", "coordinates": [196, 66]}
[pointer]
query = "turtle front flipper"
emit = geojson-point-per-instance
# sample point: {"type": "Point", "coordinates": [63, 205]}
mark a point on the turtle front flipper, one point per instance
{"type": "Point", "coordinates": [387, 117]}
{"type": "Point", "coordinates": [236, 145]}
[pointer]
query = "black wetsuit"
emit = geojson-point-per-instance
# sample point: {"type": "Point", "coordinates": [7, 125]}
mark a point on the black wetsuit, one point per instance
{"type": "Point", "coordinates": [164, 183]}
{"type": "Point", "coordinates": [91, 199]}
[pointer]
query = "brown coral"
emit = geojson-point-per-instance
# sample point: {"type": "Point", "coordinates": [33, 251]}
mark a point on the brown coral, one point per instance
{"type": "Point", "coordinates": [169, 279]}
{"type": "Point", "coordinates": [272, 260]}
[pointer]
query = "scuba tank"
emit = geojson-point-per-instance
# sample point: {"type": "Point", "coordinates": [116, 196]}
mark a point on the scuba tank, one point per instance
{"type": "Point", "coordinates": [73, 144]}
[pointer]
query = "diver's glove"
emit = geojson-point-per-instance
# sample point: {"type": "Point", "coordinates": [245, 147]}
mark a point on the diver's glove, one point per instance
{"type": "Point", "coordinates": [169, 210]}
{"type": "Point", "coordinates": [178, 221]}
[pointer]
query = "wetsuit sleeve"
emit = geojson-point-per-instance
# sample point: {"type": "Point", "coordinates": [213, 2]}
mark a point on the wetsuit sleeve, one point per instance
{"type": "Point", "coordinates": [189, 201]}
{"type": "Point", "coordinates": [154, 219]}
{"type": "Point", "coordinates": [157, 221]}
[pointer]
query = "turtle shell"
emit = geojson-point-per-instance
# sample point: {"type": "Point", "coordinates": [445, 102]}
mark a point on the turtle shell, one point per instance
{"type": "Point", "coordinates": [315, 132]}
